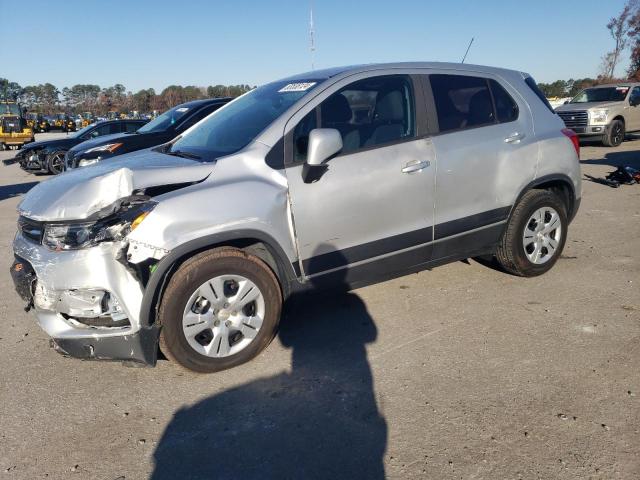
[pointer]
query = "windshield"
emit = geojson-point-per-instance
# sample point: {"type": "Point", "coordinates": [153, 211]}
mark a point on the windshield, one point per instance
{"type": "Point", "coordinates": [9, 109]}
{"type": "Point", "coordinates": [165, 120]}
{"type": "Point", "coordinates": [609, 94]}
{"type": "Point", "coordinates": [235, 125]}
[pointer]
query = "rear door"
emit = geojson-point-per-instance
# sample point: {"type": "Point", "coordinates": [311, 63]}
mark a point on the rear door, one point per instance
{"type": "Point", "coordinates": [371, 212]}
{"type": "Point", "coordinates": [486, 154]}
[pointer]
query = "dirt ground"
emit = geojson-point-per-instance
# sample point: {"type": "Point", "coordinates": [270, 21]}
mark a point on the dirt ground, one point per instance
{"type": "Point", "coordinates": [461, 372]}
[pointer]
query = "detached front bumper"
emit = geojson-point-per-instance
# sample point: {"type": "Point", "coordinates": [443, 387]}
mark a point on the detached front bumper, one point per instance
{"type": "Point", "coordinates": [32, 162]}
{"type": "Point", "coordinates": [86, 300]}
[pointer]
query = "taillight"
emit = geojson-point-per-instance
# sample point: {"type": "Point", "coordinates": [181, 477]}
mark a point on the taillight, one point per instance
{"type": "Point", "coordinates": [574, 139]}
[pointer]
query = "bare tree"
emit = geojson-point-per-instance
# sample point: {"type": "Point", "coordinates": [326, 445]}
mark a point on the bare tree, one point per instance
{"type": "Point", "coordinates": [619, 29]}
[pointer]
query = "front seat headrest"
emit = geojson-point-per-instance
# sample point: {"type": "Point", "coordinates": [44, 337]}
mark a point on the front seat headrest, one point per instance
{"type": "Point", "coordinates": [390, 108]}
{"type": "Point", "coordinates": [336, 110]}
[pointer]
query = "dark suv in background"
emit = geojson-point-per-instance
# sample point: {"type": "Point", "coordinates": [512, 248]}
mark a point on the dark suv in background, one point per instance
{"type": "Point", "coordinates": [48, 156]}
{"type": "Point", "coordinates": [161, 130]}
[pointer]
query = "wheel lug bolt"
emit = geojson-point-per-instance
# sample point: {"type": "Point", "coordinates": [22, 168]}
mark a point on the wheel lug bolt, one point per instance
{"type": "Point", "coordinates": [216, 323]}
{"type": "Point", "coordinates": [227, 323]}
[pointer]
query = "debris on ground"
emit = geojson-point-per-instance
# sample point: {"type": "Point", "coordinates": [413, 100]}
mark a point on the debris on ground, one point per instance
{"type": "Point", "coordinates": [622, 175]}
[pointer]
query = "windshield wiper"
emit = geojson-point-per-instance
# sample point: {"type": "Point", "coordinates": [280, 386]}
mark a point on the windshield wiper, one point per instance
{"type": "Point", "coordinates": [180, 153]}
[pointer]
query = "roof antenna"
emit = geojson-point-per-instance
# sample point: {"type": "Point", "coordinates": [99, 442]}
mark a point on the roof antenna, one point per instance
{"type": "Point", "coordinates": [468, 48]}
{"type": "Point", "coordinates": [312, 43]}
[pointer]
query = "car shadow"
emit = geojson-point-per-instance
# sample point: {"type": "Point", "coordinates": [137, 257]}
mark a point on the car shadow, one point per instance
{"type": "Point", "coordinates": [617, 159]}
{"type": "Point", "coordinates": [318, 420]}
{"type": "Point", "coordinates": [10, 191]}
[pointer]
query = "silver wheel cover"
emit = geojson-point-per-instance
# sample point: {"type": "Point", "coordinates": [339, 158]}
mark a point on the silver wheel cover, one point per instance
{"type": "Point", "coordinates": [542, 235]}
{"type": "Point", "coordinates": [223, 316]}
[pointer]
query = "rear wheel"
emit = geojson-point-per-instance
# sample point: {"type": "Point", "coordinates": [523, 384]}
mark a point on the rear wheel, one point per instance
{"type": "Point", "coordinates": [535, 234]}
{"type": "Point", "coordinates": [55, 162]}
{"type": "Point", "coordinates": [615, 136]}
{"type": "Point", "coordinates": [220, 309]}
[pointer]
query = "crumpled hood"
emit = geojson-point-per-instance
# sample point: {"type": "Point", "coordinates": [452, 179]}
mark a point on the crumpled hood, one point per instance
{"type": "Point", "coordinates": [59, 142]}
{"type": "Point", "coordinates": [572, 107]}
{"type": "Point", "coordinates": [80, 193]}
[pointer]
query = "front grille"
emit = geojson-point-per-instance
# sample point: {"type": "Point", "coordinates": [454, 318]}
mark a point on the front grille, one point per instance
{"type": "Point", "coordinates": [575, 119]}
{"type": "Point", "coordinates": [31, 229]}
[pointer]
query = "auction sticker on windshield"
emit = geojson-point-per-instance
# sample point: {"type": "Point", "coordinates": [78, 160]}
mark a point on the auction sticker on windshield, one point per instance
{"type": "Point", "coordinates": [297, 87]}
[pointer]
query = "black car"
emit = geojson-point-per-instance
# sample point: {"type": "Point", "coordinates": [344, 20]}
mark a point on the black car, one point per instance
{"type": "Point", "coordinates": [158, 131]}
{"type": "Point", "coordinates": [48, 156]}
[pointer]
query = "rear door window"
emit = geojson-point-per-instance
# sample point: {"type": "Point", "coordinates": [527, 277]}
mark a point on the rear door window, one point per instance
{"type": "Point", "coordinates": [462, 102]}
{"type": "Point", "coordinates": [102, 130]}
{"type": "Point", "coordinates": [131, 127]}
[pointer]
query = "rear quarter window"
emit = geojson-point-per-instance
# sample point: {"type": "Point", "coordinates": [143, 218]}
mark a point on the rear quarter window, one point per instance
{"type": "Point", "coordinates": [531, 83]}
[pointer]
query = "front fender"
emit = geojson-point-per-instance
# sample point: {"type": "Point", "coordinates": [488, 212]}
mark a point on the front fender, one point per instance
{"type": "Point", "coordinates": [288, 271]}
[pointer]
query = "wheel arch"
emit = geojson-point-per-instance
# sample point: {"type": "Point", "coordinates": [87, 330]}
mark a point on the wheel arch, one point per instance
{"type": "Point", "coordinates": [557, 183]}
{"type": "Point", "coordinates": [255, 242]}
{"type": "Point", "coordinates": [621, 118]}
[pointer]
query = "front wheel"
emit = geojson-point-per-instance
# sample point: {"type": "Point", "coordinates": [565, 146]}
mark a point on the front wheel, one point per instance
{"type": "Point", "coordinates": [615, 136]}
{"type": "Point", "coordinates": [55, 162]}
{"type": "Point", "coordinates": [220, 309]}
{"type": "Point", "coordinates": [535, 235]}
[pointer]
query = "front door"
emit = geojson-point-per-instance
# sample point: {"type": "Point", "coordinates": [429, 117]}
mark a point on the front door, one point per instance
{"type": "Point", "coordinates": [633, 111]}
{"type": "Point", "coordinates": [371, 212]}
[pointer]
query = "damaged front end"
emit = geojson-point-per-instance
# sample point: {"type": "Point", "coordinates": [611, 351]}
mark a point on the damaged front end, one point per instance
{"type": "Point", "coordinates": [78, 269]}
{"type": "Point", "coordinates": [85, 293]}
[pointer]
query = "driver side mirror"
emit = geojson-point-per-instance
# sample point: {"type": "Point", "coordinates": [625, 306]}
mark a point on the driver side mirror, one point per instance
{"type": "Point", "coordinates": [566, 102]}
{"type": "Point", "coordinates": [324, 143]}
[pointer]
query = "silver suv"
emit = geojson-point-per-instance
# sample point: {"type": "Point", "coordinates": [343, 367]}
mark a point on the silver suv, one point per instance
{"type": "Point", "coordinates": [337, 177]}
{"type": "Point", "coordinates": [605, 112]}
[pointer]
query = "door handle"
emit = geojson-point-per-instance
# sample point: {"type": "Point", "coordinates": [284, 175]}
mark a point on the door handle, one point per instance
{"type": "Point", "coordinates": [514, 138]}
{"type": "Point", "coordinates": [415, 166]}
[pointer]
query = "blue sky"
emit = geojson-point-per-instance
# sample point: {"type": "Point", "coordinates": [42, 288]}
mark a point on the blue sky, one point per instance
{"type": "Point", "coordinates": [145, 43]}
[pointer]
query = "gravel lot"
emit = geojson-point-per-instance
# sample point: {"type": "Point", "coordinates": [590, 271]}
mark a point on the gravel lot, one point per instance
{"type": "Point", "coordinates": [462, 372]}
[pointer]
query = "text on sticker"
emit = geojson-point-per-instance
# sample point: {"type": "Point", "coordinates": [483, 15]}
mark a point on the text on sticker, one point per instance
{"type": "Point", "coordinates": [297, 87]}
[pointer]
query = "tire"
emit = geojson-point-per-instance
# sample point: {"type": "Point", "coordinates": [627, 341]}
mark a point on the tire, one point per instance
{"type": "Point", "coordinates": [55, 162]}
{"type": "Point", "coordinates": [517, 253]}
{"type": "Point", "coordinates": [206, 269]}
{"type": "Point", "coordinates": [615, 135]}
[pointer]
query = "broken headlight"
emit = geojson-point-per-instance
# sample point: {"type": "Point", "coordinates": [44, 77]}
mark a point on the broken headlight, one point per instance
{"type": "Point", "coordinates": [77, 235]}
